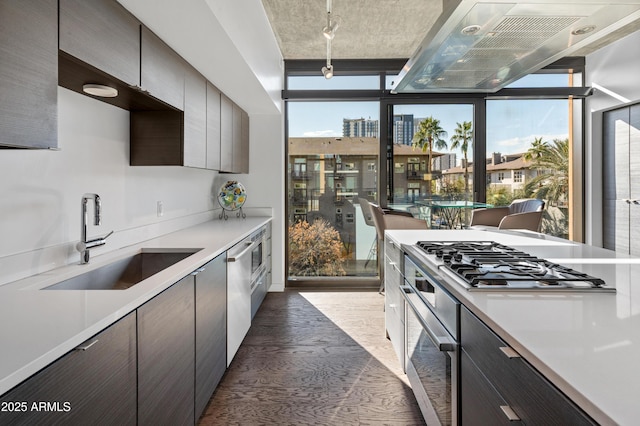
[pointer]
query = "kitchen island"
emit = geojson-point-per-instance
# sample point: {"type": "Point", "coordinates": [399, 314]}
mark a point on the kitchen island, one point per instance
{"type": "Point", "coordinates": [587, 344]}
{"type": "Point", "coordinates": [38, 327]}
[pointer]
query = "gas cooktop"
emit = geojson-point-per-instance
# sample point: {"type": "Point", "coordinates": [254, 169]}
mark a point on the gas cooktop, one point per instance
{"type": "Point", "coordinates": [487, 265]}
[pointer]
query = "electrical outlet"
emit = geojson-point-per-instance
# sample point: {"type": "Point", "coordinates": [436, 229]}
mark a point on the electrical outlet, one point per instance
{"type": "Point", "coordinates": [160, 209]}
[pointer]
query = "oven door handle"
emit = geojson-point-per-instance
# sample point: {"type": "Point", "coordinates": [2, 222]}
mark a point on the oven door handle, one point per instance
{"type": "Point", "coordinates": [249, 246]}
{"type": "Point", "coordinates": [443, 343]}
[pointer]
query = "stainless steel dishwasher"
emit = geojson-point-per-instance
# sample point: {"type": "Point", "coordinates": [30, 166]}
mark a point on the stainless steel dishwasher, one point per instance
{"type": "Point", "coordinates": [238, 294]}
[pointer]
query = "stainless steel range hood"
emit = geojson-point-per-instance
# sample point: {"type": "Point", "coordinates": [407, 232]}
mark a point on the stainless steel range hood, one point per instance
{"type": "Point", "coordinates": [482, 46]}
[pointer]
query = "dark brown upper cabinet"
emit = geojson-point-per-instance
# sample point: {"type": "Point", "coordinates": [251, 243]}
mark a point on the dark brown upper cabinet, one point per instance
{"type": "Point", "coordinates": [100, 43]}
{"type": "Point", "coordinates": [29, 74]}
{"type": "Point", "coordinates": [213, 127]}
{"type": "Point", "coordinates": [234, 143]}
{"type": "Point", "coordinates": [161, 70]}
{"type": "Point", "coordinates": [226, 134]}
{"type": "Point", "coordinates": [103, 34]}
{"type": "Point", "coordinates": [243, 161]}
{"type": "Point", "coordinates": [195, 119]}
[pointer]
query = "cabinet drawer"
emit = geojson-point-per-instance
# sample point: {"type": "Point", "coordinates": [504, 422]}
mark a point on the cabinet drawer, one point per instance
{"type": "Point", "coordinates": [392, 250]}
{"type": "Point", "coordinates": [93, 384]}
{"type": "Point", "coordinates": [533, 398]}
{"type": "Point", "coordinates": [479, 402]}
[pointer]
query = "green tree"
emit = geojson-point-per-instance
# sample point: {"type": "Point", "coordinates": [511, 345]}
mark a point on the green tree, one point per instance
{"type": "Point", "coordinates": [429, 133]}
{"type": "Point", "coordinates": [552, 184]}
{"type": "Point", "coordinates": [552, 163]}
{"type": "Point", "coordinates": [537, 149]}
{"type": "Point", "coordinates": [463, 138]}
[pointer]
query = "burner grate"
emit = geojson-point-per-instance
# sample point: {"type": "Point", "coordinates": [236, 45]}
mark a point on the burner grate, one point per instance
{"type": "Point", "coordinates": [491, 264]}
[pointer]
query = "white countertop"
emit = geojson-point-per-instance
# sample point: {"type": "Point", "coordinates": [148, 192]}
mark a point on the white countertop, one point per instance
{"type": "Point", "coordinates": [37, 327]}
{"type": "Point", "coordinates": [587, 344]}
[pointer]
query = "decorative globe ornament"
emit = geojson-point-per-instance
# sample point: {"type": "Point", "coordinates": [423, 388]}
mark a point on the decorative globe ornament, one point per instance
{"type": "Point", "coordinates": [231, 197]}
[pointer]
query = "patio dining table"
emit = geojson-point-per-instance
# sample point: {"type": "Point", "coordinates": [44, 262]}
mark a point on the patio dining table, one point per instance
{"type": "Point", "coordinates": [451, 211]}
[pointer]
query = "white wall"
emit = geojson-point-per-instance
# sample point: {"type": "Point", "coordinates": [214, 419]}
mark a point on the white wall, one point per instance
{"type": "Point", "coordinates": [231, 43]}
{"type": "Point", "coordinates": [41, 191]}
{"type": "Point", "coordinates": [613, 72]}
{"type": "Point", "coordinates": [265, 183]}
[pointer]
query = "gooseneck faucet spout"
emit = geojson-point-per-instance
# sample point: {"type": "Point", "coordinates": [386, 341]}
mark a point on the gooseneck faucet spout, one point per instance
{"type": "Point", "coordinates": [84, 245]}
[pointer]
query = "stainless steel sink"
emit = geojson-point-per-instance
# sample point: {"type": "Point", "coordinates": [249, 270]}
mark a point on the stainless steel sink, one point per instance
{"type": "Point", "coordinates": [124, 273]}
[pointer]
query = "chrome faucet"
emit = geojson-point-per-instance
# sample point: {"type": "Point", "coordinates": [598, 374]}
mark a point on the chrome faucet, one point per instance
{"type": "Point", "coordinates": [84, 245]}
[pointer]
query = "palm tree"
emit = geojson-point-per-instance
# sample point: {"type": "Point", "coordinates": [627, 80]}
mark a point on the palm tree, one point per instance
{"type": "Point", "coordinates": [537, 149]}
{"type": "Point", "coordinates": [463, 137]}
{"type": "Point", "coordinates": [552, 162]}
{"type": "Point", "coordinates": [429, 134]}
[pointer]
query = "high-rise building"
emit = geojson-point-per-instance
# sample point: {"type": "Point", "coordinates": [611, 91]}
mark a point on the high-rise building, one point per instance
{"type": "Point", "coordinates": [359, 127]}
{"type": "Point", "coordinates": [403, 129]}
{"type": "Point", "coordinates": [444, 162]}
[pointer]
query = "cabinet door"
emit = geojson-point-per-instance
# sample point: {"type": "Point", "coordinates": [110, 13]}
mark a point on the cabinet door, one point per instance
{"type": "Point", "coordinates": [103, 34]}
{"type": "Point", "coordinates": [530, 395]}
{"type": "Point", "coordinates": [29, 73]}
{"type": "Point", "coordinates": [94, 385]}
{"type": "Point", "coordinates": [211, 329]}
{"type": "Point", "coordinates": [244, 144]}
{"type": "Point", "coordinates": [615, 155]}
{"type": "Point", "coordinates": [195, 118]}
{"type": "Point", "coordinates": [213, 127]}
{"type": "Point", "coordinates": [161, 70]}
{"type": "Point", "coordinates": [226, 134]}
{"type": "Point", "coordinates": [394, 301]}
{"type": "Point", "coordinates": [479, 402]}
{"type": "Point", "coordinates": [634, 179]}
{"type": "Point", "coordinates": [616, 183]}
{"type": "Point", "coordinates": [236, 137]}
{"type": "Point", "coordinates": [166, 343]}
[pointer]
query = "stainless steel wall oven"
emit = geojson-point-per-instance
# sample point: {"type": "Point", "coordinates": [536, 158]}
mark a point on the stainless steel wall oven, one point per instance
{"type": "Point", "coordinates": [432, 344]}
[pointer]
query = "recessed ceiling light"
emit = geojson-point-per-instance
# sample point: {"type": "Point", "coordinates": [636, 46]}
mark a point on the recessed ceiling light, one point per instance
{"type": "Point", "coordinates": [100, 90]}
{"type": "Point", "coordinates": [583, 30]}
{"type": "Point", "coordinates": [470, 30]}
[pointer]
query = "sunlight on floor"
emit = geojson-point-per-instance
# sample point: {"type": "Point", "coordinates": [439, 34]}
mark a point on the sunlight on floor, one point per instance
{"type": "Point", "coordinates": [351, 319]}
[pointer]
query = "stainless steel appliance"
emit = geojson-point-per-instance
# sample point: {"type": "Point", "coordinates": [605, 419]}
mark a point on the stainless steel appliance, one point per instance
{"type": "Point", "coordinates": [431, 344]}
{"type": "Point", "coordinates": [491, 266]}
{"type": "Point", "coordinates": [246, 269]}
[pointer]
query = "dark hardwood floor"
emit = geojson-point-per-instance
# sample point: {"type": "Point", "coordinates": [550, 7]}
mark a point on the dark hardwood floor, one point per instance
{"type": "Point", "coordinates": [315, 358]}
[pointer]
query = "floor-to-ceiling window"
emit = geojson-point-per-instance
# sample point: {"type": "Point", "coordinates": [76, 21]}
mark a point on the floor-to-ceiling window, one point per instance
{"type": "Point", "coordinates": [529, 151]}
{"type": "Point", "coordinates": [350, 138]}
{"type": "Point", "coordinates": [333, 161]}
{"type": "Point", "coordinates": [432, 169]}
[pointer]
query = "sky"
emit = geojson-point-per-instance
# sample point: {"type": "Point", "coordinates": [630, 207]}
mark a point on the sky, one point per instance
{"type": "Point", "coordinates": [511, 124]}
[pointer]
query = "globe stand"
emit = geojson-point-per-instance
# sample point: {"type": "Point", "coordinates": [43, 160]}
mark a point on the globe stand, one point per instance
{"type": "Point", "coordinates": [239, 214]}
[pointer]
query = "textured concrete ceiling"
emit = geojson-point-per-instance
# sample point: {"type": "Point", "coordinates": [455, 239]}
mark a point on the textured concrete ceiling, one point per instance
{"type": "Point", "coordinates": [369, 29]}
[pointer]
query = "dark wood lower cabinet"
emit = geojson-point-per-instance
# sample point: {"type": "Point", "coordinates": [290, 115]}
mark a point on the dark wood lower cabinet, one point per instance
{"type": "Point", "coordinates": [479, 402]}
{"type": "Point", "coordinates": [531, 397]}
{"type": "Point", "coordinates": [85, 387]}
{"type": "Point", "coordinates": [211, 329]}
{"type": "Point", "coordinates": [166, 343]}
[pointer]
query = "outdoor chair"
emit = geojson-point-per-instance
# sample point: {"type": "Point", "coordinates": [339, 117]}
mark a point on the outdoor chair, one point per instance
{"type": "Point", "coordinates": [391, 220]}
{"type": "Point", "coordinates": [525, 213]}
